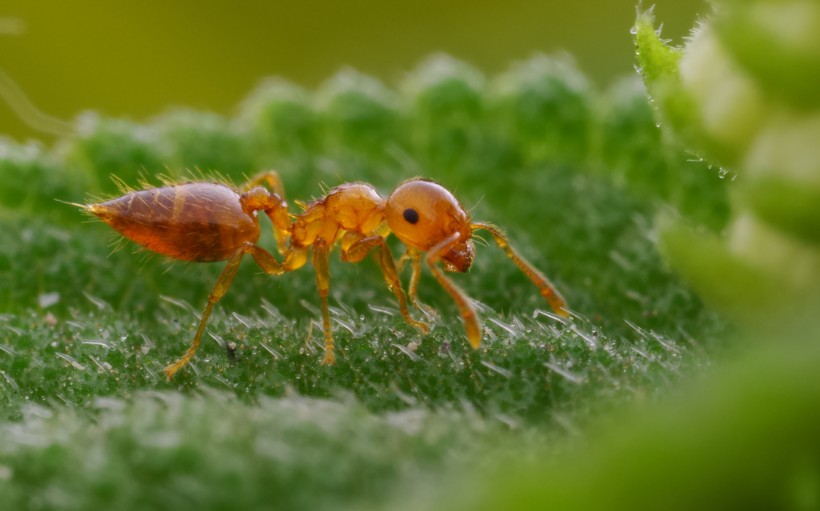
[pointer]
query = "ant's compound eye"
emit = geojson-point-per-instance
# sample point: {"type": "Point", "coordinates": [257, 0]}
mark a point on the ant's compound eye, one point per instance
{"type": "Point", "coordinates": [411, 215]}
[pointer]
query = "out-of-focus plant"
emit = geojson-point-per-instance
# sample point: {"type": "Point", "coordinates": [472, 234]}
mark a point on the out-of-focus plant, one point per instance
{"type": "Point", "coordinates": [744, 93]}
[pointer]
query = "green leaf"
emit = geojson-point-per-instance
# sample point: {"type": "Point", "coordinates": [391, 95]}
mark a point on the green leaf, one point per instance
{"type": "Point", "coordinates": [792, 208]}
{"type": "Point", "coordinates": [778, 44]}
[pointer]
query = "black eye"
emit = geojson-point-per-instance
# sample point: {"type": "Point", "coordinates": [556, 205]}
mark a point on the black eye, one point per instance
{"type": "Point", "coordinates": [411, 215]}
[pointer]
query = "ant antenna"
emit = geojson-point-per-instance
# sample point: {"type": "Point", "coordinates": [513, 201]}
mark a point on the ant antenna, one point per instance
{"type": "Point", "coordinates": [479, 201]}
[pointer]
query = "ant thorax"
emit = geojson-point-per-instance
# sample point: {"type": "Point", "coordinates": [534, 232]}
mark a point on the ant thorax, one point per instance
{"type": "Point", "coordinates": [355, 207]}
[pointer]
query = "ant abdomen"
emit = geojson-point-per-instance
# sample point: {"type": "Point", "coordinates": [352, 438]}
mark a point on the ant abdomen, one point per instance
{"type": "Point", "coordinates": [191, 222]}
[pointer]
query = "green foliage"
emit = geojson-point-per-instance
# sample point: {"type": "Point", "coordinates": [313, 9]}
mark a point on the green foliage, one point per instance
{"type": "Point", "coordinates": [544, 107]}
{"type": "Point", "coordinates": [741, 438]}
{"type": "Point", "coordinates": [750, 76]}
{"type": "Point", "coordinates": [574, 175]}
{"type": "Point", "coordinates": [279, 117]}
{"type": "Point", "coordinates": [165, 450]}
{"type": "Point", "coordinates": [778, 44]}
{"type": "Point", "coordinates": [628, 134]}
{"type": "Point", "coordinates": [359, 114]}
{"type": "Point", "coordinates": [528, 369]}
{"type": "Point", "coordinates": [33, 180]}
{"type": "Point", "coordinates": [787, 206]}
{"type": "Point", "coordinates": [728, 281]}
{"type": "Point", "coordinates": [659, 64]}
{"type": "Point", "coordinates": [447, 110]}
{"type": "Point", "coordinates": [202, 141]}
{"type": "Point", "coordinates": [104, 148]}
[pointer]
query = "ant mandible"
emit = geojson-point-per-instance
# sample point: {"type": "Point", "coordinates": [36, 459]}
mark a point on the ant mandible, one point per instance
{"type": "Point", "coordinates": [208, 221]}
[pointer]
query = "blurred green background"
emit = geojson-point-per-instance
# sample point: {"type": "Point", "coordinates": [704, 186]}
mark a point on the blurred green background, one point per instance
{"type": "Point", "coordinates": [648, 400]}
{"type": "Point", "coordinates": [134, 59]}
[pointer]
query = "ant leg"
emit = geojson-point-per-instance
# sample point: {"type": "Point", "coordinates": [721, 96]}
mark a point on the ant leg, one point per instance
{"type": "Point", "coordinates": [320, 263]}
{"type": "Point", "coordinates": [268, 177]}
{"type": "Point", "coordinates": [218, 291]}
{"type": "Point", "coordinates": [415, 262]}
{"type": "Point", "coordinates": [257, 198]}
{"type": "Point", "coordinates": [294, 259]}
{"type": "Point", "coordinates": [360, 248]}
{"type": "Point", "coordinates": [545, 287]}
{"type": "Point", "coordinates": [465, 308]}
{"type": "Point", "coordinates": [406, 256]}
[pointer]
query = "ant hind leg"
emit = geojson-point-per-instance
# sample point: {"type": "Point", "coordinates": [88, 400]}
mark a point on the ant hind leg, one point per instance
{"type": "Point", "coordinates": [267, 177]}
{"type": "Point", "coordinates": [218, 291]}
{"type": "Point", "coordinates": [294, 259]}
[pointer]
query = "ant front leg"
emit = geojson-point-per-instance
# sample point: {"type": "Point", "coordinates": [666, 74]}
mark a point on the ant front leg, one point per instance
{"type": "Point", "coordinates": [320, 264]}
{"type": "Point", "coordinates": [357, 251]}
{"type": "Point", "coordinates": [545, 287]}
{"type": "Point", "coordinates": [465, 308]}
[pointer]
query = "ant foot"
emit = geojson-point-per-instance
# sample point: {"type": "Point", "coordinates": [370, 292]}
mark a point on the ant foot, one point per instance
{"type": "Point", "coordinates": [172, 369]}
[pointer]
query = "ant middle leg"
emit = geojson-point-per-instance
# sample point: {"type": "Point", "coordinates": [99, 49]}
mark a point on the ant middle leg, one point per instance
{"type": "Point", "coordinates": [357, 251]}
{"type": "Point", "coordinates": [414, 256]}
{"type": "Point", "coordinates": [320, 264]}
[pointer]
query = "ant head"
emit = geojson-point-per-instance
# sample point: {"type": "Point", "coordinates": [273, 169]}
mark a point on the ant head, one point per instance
{"type": "Point", "coordinates": [422, 214]}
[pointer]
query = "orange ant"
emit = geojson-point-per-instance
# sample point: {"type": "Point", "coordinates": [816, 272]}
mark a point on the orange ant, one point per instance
{"type": "Point", "coordinates": [205, 221]}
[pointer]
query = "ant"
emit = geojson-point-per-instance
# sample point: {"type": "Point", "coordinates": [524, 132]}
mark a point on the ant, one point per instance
{"type": "Point", "coordinates": [209, 221]}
